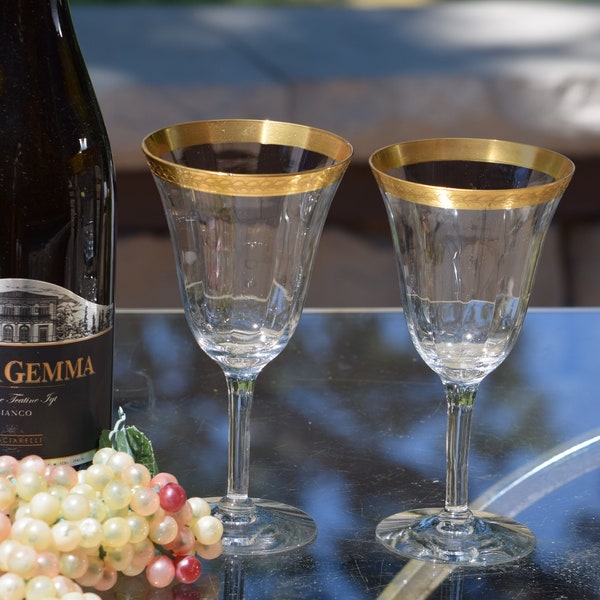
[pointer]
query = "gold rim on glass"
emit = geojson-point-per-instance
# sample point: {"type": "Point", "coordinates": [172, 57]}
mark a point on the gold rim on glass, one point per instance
{"type": "Point", "coordinates": [156, 146]}
{"type": "Point", "coordinates": [557, 166]}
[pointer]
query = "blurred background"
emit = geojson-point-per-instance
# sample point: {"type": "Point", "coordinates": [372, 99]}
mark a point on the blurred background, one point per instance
{"type": "Point", "coordinates": [375, 72]}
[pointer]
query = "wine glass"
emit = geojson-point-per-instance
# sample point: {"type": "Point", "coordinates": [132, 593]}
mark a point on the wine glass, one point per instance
{"type": "Point", "coordinates": [468, 219]}
{"type": "Point", "coordinates": [246, 201]}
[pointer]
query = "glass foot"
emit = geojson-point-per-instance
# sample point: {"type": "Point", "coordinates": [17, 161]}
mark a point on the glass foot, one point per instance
{"type": "Point", "coordinates": [483, 540]}
{"type": "Point", "coordinates": [272, 528]}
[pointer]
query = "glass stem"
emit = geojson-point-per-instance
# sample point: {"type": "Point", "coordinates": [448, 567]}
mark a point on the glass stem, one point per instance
{"type": "Point", "coordinates": [460, 399]}
{"type": "Point", "coordinates": [237, 505]}
{"type": "Point", "coordinates": [233, 581]}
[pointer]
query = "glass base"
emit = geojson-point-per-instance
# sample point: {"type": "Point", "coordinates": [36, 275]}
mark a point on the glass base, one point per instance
{"type": "Point", "coordinates": [272, 528]}
{"type": "Point", "coordinates": [484, 539]}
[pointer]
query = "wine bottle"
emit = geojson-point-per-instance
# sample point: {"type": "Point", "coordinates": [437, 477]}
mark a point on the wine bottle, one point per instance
{"type": "Point", "coordinates": [56, 240]}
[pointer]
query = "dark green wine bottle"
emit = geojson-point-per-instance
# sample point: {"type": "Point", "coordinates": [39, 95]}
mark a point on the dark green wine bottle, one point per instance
{"type": "Point", "coordinates": [56, 240]}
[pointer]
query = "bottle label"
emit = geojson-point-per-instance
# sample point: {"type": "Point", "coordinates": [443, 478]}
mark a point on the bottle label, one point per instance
{"type": "Point", "coordinates": [56, 353]}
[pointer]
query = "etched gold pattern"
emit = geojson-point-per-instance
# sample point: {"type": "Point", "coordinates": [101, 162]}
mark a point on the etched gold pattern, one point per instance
{"type": "Point", "coordinates": [159, 144]}
{"type": "Point", "coordinates": [557, 166]}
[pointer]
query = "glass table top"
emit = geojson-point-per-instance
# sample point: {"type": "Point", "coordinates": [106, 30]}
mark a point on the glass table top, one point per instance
{"type": "Point", "coordinates": [349, 425]}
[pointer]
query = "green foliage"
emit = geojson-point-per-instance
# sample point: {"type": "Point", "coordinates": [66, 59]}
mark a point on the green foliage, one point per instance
{"type": "Point", "coordinates": [131, 440]}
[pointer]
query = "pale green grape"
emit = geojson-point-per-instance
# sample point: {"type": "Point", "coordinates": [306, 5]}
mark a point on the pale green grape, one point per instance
{"type": "Point", "coordinates": [61, 491]}
{"type": "Point", "coordinates": [116, 532]}
{"type": "Point", "coordinates": [75, 507]}
{"type": "Point", "coordinates": [23, 561]}
{"type": "Point", "coordinates": [73, 564]}
{"type": "Point", "coordinates": [102, 456]}
{"type": "Point", "coordinates": [45, 506]}
{"type": "Point", "coordinates": [139, 528]}
{"type": "Point", "coordinates": [119, 558]}
{"type": "Point", "coordinates": [30, 483]}
{"type": "Point", "coordinates": [40, 588]}
{"type": "Point", "coordinates": [116, 495]}
{"type": "Point", "coordinates": [85, 489]}
{"type": "Point", "coordinates": [98, 509]}
{"type": "Point", "coordinates": [33, 464]}
{"type": "Point", "coordinates": [92, 533]}
{"type": "Point", "coordinates": [120, 461]}
{"type": "Point", "coordinates": [12, 587]}
{"type": "Point", "coordinates": [66, 535]}
{"type": "Point", "coordinates": [200, 507]}
{"type": "Point", "coordinates": [7, 547]}
{"type": "Point", "coordinates": [208, 530]}
{"type": "Point", "coordinates": [36, 533]}
{"type": "Point", "coordinates": [99, 476]}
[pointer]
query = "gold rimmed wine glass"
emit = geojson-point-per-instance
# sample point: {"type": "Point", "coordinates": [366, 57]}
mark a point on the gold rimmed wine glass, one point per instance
{"type": "Point", "coordinates": [246, 201]}
{"type": "Point", "coordinates": [468, 219]}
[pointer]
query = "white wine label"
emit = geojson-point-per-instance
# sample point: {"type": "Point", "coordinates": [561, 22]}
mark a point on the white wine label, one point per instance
{"type": "Point", "coordinates": [55, 371]}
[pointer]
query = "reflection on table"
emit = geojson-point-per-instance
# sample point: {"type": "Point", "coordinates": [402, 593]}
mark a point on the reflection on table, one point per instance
{"type": "Point", "coordinates": [349, 424]}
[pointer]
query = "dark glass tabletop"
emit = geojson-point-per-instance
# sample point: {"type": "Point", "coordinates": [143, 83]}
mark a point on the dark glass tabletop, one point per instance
{"type": "Point", "coordinates": [349, 425]}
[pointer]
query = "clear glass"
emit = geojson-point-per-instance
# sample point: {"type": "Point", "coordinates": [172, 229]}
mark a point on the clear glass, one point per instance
{"type": "Point", "coordinates": [468, 219]}
{"type": "Point", "coordinates": [246, 202]}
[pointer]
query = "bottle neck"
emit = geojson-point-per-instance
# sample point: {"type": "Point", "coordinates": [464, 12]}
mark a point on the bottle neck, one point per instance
{"type": "Point", "coordinates": [27, 18]}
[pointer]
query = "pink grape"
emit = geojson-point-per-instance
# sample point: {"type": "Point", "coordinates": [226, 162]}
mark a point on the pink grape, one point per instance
{"type": "Point", "coordinates": [9, 465]}
{"type": "Point", "coordinates": [209, 552]}
{"type": "Point", "coordinates": [184, 515]}
{"type": "Point", "coordinates": [5, 526]}
{"type": "Point", "coordinates": [63, 585]}
{"type": "Point", "coordinates": [161, 571]}
{"type": "Point", "coordinates": [93, 573]}
{"type": "Point", "coordinates": [163, 529]}
{"type": "Point", "coordinates": [136, 475]}
{"type": "Point", "coordinates": [172, 497]}
{"type": "Point", "coordinates": [143, 553]}
{"type": "Point", "coordinates": [183, 543]}
{"type": "Point", "coordinates": [63, 475]}
{"type": "Point", "coordinates": [145, 501]}
{"type": "Point", "coordinates": [107, 580]}
{"type": "Point", "coordinates": [161, 479]}
{"type": "Point", "coordinates": [47, 564]}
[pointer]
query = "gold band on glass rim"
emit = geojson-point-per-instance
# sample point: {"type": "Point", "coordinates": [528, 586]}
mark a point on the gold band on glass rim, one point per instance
{"type": "Point", "coordinates": [557, 166]}
{"type": "Point", "coordinates": [158, 144]}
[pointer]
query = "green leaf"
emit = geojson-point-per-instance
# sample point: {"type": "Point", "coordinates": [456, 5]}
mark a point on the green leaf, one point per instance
{"type": "Point", "coordinates": [141, 448]}
{"type": "Point", "coordinates": [131, 440]}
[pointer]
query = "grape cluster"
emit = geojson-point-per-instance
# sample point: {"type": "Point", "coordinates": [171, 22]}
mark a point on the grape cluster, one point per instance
{"type": "Point", "coordinates": [63, 530]}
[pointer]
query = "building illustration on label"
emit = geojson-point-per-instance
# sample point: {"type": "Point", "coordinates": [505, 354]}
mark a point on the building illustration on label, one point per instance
{"type": "Point", "coordinates": [36, 312]}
